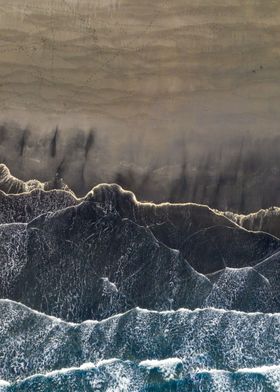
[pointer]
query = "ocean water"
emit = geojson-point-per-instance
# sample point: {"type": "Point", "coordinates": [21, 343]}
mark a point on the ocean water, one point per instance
{"type": "Point", "coordinates": [97, 295]}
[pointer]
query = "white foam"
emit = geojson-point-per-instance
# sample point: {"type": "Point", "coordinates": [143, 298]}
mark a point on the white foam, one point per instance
{"type": "Point", "coordinates": [168, 366]}
{"type": "Point", "coordinates": [261, 369]}
{"type": "Point", "coordinates": [4, 383]}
